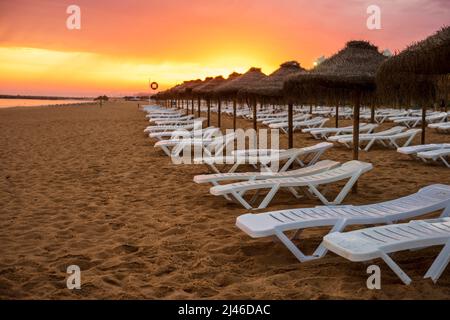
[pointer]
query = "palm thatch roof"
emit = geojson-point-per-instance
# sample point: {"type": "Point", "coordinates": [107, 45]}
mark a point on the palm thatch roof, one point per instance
{"type": "Point", "coordinates": [232, 87]}
{"type": "Point", "coordinates": [272, 85]}
{"type": "Point", "coordinates": [418, 74]}
{"type": "Point", "coordinates": [351, 70]}
{"type": "Point", "coordinates": [206, 89]}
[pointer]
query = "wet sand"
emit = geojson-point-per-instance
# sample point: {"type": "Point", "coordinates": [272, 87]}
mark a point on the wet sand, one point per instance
{"type": "Point", "coordinates": [84, 186]}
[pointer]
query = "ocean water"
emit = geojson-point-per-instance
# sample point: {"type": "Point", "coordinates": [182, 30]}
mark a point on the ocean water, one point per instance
{"type": "Point", "coordinates": [8, 103]}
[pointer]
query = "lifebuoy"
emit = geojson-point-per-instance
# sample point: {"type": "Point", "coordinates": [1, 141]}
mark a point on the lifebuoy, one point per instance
{"type": "Point", "coordinates": [154, 85]}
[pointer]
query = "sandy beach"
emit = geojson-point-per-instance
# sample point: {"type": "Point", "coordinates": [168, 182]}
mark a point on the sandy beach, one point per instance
{"type": "Point", "coordinates": [84, 186]}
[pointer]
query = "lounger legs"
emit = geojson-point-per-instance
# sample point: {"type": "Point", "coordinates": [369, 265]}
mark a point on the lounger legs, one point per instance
{"type": "Point", "coordinates": [318, 253]}
{"type": "Point", "coordinates": [439, 264]}
{"type": "Point", "coordinates": [293, 248]}
{"type": "Point", "coordinates": [321, 249]}
{"type": "Point", "coordinates": [397, 270]}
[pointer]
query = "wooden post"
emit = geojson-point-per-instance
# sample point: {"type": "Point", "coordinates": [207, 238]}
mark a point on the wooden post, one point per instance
{"type": "Point", "coordinates": [337, 115]}
{"type": "Point", "coordinates": [444, 107]}
{"type": "Point", "coordinates": [208, 104]}
{"type": "Point", "coordinates": [356, 133]}
{"type": "Point", "coordinates": [234, 114]}
{"type": "Point", "coordinates": [372, 113]}
{"type": "Point", "coordinates": [199, 104]}
{"type": "Point", "coordinates": [424, 124]}
{"type": "Point", "coordinates": [290, 126]}
{"type": "Point", "coordinates": [219, 114]}
{"type": "Point", "coordinates": [192, 106]}
{"type": "Point", "coordinates": [255, 124]}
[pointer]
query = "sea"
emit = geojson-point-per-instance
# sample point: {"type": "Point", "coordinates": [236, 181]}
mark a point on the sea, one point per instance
{"type": "Point", "coordinates": [8, 103]}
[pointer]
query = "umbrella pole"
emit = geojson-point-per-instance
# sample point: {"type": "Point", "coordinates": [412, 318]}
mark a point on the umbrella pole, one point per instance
{"type": "Point", "coordinates": [424, 124]}
{"type": "Point", "coordinates": [208, 104]}
{"type": "Point", "coordinates": [372, 114]}
{"type": "Point", "coordinates": [337, 116]}
{"type": "Point", "coordinates": [192, 106]}
{"type": "Point", "coordinates": [199, 104]}
{"type": "Point", "coordinates": [187, 107]}
{"type": "Point", "coordinates": [219, 112]}
{"type": "Point", "coordinates": [255, 126]}
{"type": "Point", "coordinates": [234, 114]}
{"type": "Point", "coordinates": [444, 107]}
{"type": "Point", "coordinates": [356, 134]}
{"type": "Point", "coordinates": [290, 126]}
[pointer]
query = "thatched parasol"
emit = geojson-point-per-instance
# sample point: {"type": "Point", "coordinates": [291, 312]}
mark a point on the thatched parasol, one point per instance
{"type": "Point", "coordinates": [417, 75]}
{"type": "Point", "coordinates": [272, 85]}
{"type": "Point", "coordinates": [350, 71]}
{"type": "Point", "coordinates": [206, 91]}
{"type": "Point", "coordinates": [230, 89]}
{"type": "Point", "coordinates": [346, 77]}
{"type": "Point", "coordinates": [271, 88]}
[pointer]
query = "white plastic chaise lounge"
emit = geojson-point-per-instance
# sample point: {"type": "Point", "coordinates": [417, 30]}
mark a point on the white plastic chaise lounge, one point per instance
{"type": "Point", "coordinates": [176, 122]}
{"type": "Point", "coordinates": [440, 127]}
{"type": "Point", "coordinates": [308, 185]}
{"type": "Point", "coordinates": [206, 133]}
{"type": "Point", "coordinates": [210, 147]}
{"type": "Point", "coordinates": [392, 141]}
{"type": "Point", "coordinates": [268, 160]}
{"type": "Point", "coordinates": [276, 223]}
{"type": "Point", "coordinates": [412, 122]}
{"type": "Point", "coordinates": [297, 118]}
{"type": "Point", "coordinates": [390, 131]}
{"type": "Point", "coordinates": [326, 132]}
{"type": "Point", "coordinates": [216, 178]}
{"type": "Point", "coordinates": [379, 242]}
{"type": "Point", "coordinates": [438, 155]}
{"type": "Point", "coordinates": [412, 151]}
{"type": "Point", "coordinates": [153, 129]}
{"type": "Point", "coordinates": [317, 122]}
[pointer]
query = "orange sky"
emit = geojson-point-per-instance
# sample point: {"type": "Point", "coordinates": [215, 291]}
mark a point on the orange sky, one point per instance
{"type": "Point", "coordinates": [122, 44]}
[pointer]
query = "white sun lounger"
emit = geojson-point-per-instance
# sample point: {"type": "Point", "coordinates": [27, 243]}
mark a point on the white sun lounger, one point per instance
{"type": "Point", "coordinates": [412, 122]}
{"type": "Point", "coordinates": [152, 129]}
{"type": "Point", "coordinates": [440, 127]}
{"type": "Point", "coordinates": [325, 132]}
{"type": "Point", "coordinates": [176, 122]}
{"type": "Point", "coordinates": [215, 178]}
{"type": "Point", "coordinates": [171, 118]}
{"type": "Point", "coordinates": [206, 133]}
{"type": "Point", "coordinates": [317, 122]}
{"type": "Point", "coordinates": [350, 171]}
{"type": "Point", "coordinates": [426, 200]}
{"type": "Point", "coordinates": [390, 131]}
{"type": "Point", "coordinates": [386, 140]}
{"type": "Point", "coordinates": [379, 242]}
{"type": "Point", "coordinates": [268, 160]}
{"type": "Point", "coordinates": [437, 155]}
{"type": "Point", "coordinates": [414, 150]}
{"type": "Point", "coordinates": [210, 147]}
{"type": "Point", "coordinates": [298, 118]}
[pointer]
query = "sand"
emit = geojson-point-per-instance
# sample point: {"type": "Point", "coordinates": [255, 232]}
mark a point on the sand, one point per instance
{"type": "Point", "coordinates": [83, 185]}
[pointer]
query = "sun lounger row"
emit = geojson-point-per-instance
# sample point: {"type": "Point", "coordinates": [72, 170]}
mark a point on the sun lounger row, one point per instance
{"type": "Point", "coordinates": [437, 153]}
{"type": "Point", "coordinates": [365, 244]}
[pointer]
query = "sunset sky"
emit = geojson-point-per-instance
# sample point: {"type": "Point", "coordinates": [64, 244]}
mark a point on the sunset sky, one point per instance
{"type": "Point", "coordinates": [122, 44]}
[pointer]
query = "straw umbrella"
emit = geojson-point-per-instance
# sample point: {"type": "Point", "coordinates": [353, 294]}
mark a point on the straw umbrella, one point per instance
{"type": "Point", "coordinates": [346, 77]}
{"type": "Point", "coordinates": [205, 91]}
{"type": "Point", "coordinates": [418, 75]}
{"type": "Point", "coordinates": [230, 89]}
{"type": "Point", "coordinates": [271, 88]}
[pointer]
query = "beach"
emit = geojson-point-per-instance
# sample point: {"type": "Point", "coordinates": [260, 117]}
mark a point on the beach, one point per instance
{"type": "Point", "coordinates": [84, 186]}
